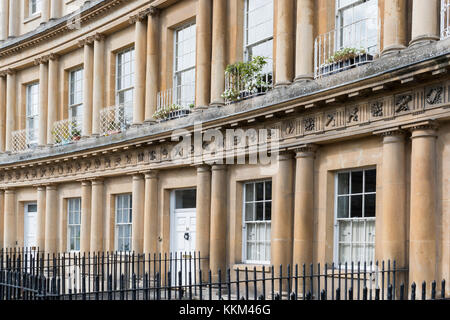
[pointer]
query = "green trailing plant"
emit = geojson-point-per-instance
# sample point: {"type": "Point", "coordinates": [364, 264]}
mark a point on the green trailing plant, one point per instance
{"type": "Point", "coordinates": [346, 54]}
{"type": "Point", "coordinates": [76, 132]}
{"type": "Point", "coordinates": [245, 76]}
{"type": "Point", "coordinates": [165, 112]}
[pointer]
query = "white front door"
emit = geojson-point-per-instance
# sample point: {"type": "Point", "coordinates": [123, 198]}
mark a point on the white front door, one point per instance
{"type": "Point", "coordinates": [182, 235]}
{"type": "Point", "coordinates": [30, 226]}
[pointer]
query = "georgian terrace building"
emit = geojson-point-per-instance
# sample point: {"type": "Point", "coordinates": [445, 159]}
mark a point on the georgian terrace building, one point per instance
{"type": "Point", "coordinates": [356, 93]}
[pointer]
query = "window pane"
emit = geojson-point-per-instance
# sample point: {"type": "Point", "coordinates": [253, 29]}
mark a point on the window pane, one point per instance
{"type": "Point", "coordinates": [259, 211]}
{"type": "Point", "coordinates": [268, 193]}
{"type": "Point", "coordinates": [251, 234]}
{"type": "Point", "coordinates": [357, 181]}
{"type": "Point", "coordinates": [259, 191]}
{"type": "Point", "coordinates": [343, 183]}
{"type": "Point", "coordinates": [356, 206]}
{"type": "Point", "coordinates": [185, 199]}
{"type": "Point", "coordinates": [268, 211]}
{"type": "Point", "coordinates": [343, 207]}
{"type": "Point", "coordinates": [370, 182]}
{"type": "Point", "coordinates": [249, 192]}
{"type": "Point", "coordinates": [369, 205]}
{"type": "Point", "coordinates": [345, 231]}
{"type": "Point", "coordinates": [249, 212]}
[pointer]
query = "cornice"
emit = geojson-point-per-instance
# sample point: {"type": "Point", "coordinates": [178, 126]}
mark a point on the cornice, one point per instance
{"type": "Point", "coordinates": [61, 27]}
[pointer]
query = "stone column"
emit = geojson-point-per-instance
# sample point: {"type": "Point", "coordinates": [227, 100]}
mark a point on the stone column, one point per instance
{"type": "Point", "coordinates": [88, 75]}
{"type": "Point", "coordinates": [14, 18]}
{"type": "Point", "coordinates": [55, 9]}
{"type": "Point", "coordinates": [97, 216]}
{"type": "Point", "coordinates": [151, 213]}
{"type": "Point", "coordinates": [422, 225]}
{"type": "Point", "coordinates": [393, 229]}
{"type": "Point", "coordinates": [99, 82]}
{"type": "Point", "coordinates": [85, 232]}
{"type": "Point", "coordinates": [10, 108]}
{"type": "Point", "coordinates": [52, 111]}
{"type": "Point", "coordinates": [43, 99]}
{"type": "Point", "coordinates": [140, 45]}
{"type": "Point", "coordinates": [2, 217]}
{"type": "Point", "coordinates": [425, 26]}
{"type": "Point", "coordinates": [284, 42]}
{"type": "Point", "coordinates": [218, 235]}
{"type": "Point", "coordinates": [152, 71]}
{"type": "Point", "coordinates": [2, 111]}
{"type": "Point", "coordinates": [304, 49]}
{"type": "Point", "coordinates": [41, 212]}
{"type": "Point", "coordinates": [203, 214]}
{"type": "Point", "coordinates": [51, 219]}
{"type": "Point", "coordinates": [283, 213]}
{"type": "Point", "coordinates": [45, 11]}
{"type": "Point", "coordinates": [218, 61]}
{"type": "Point", "coordinates": [304, 206]}
{"type": "Point", "coordinates": [137, 232]}
{"type": "Point", "coordinates": [4, 19]}
{"type": "Point", "coordinates": [394, 32]}
{"type": "Point", "coordinates": [10, 219]}
{"type": "Point", "coordinates": [203, 52]}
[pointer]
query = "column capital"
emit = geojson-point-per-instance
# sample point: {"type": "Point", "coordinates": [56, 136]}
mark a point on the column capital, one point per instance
{"type": "Point", "coordinates": [152, 174]}
{"type": "Point", "coordinates": [218, 167]}
{"type": "Point", "coordinates": [153, 11]}
{"type": "Point", "coordinates": [3, 73]}
{"type": "Point", "coordinates": [99, 36]}
{"type": "Point", "coordinates": [203, 168]}
{"type": "Point", "coordinates": [137, 176]}
{"type": "Point", "coordinates": [391, 135]}
{"type": "Point", "coordinates": [86, 183]}
{"type": "Point", "coordinates": [306, 151]}
{"type": "Point", "coordinates": [284, 156]}
{"type": "Point", "coordinates": [86, 41]}
{"type": "Point", "coordinates": [41, 187]}
{"type": "Point", "coordinates": [9, 191]}
{"type": "Point", "coordinates": [41, 60]}
{"type": "Point", "coordinates": [50, 186]}
{"type": "Point", "coordinates": [10, 71]}
{"type": "Point", "coordinates": [422, 129]}
{"type": "Point", "coordinates": [53, 56]}
{"type": "Point", "coordinates": [96, 181]}
{"type": "Point", "coordinates": [140, 16]}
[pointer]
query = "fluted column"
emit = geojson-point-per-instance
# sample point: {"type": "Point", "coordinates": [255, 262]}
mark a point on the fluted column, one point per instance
{"type": "Point", "coordinates": [45, 11]}
{"type": "Point", "coordinates": [43, 99]}
{"type": "Point", "coordinates": [10, 219]}
{"type": "Point", "coordinates": [14, 18]}
{"type": "Point", "coordinates": [2, 217]}
{"type": "Point", "coordinates": [41, 212]}
{"type": "Point", "coordinates": [422, 226]}
{"type": "Point", "coordinates": [85, 232]}
{"type": "Point", "coordinates": [51, 219]}
{"type": "Point", "coordinates": [218, 60]}
{"type": "Point", "coordinates": [284, 42]}
{"type": "Point", "coordinates": [304, 50]}
{"type": "Point", "coordinates": [140, 46]}
{"type": "Point", "coordinates": [88, 75]}
{"type": "Point", "coordinates": [304, 206]}
{"type": "Point", "coordinates": [4, 19]}
{"type": "Point", "coordinates": [10, 108]}
{"type": "Point", "coordinates": [151, 213]}
{"type": "Point", "coordinates": [394, 32]}
{"type": "Point", "coordinates": [152, 71]}
{"type": "Point", "coordinates": [2, 111]}
{"type": "Point", "coordinates": [137, 229]}
{"type": "Point", "coordinates": [283, 213]}
{"type": "Point", "coordinates": [425, 26]}
{"type": "Point", "coordinates": [203, 214]}
{"type": "Point", "coordinates": [393, 229]}
{"type": "Point", "coordinates": [218, 245]}
{"type": "Point", "coordinates": [97, 216]}
{"type": "Point", "coordinates": [99, 82]}
{"type": "Point", "coordinates": [52, 111]}
{"type": "Point", "coordinates": [55, 9]}
{"type": "Point", "coordinates": [203, 52]}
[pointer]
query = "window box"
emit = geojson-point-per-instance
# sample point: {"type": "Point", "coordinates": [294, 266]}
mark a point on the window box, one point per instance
{"type": "Point", "coordinates": [339, 66]}
{"type": "Point", "coordinates": [178, 114]}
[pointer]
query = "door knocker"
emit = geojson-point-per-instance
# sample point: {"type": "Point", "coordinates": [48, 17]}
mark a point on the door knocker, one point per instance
{"type": "Point", "coordinates": [186, 236]}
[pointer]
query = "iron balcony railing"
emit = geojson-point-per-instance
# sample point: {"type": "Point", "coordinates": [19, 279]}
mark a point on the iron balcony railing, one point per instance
{"type": "Point", "coordinates": [22, 140]}
{"type": "Point", "coordinates": [66, 131]}
{"type": "Point", "coordinates": [30, 275]}
{"type": "Point", "coordinates": [346, 47]}
{"type": "Point", "coordinates": [239, 87]}
{"type": "Point", "coordinates": [116, 118]}
{"type": "Point", "coordinates": [175, 102]}
{"type": "Point", "coordinates": [445, 19]}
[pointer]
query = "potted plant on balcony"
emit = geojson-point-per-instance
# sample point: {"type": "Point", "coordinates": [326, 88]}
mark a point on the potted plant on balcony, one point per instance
{"type": "Point", "coordinates": [76, 133]}
{"type": "Point", "coordinates": [344, 59]}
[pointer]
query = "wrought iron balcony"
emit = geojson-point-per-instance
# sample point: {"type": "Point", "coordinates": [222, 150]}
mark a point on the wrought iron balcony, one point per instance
{"type": "Point", "coordinates": [116, 118]}
{"type": "Point", "coordinates": [175, 102]}
{"type": "Point", "coordinates": [66, 131]}
{"type": "Point", "coordinates": [346, 47]}
{"type": "Point", "coordinates": [445, 19]}
{"type": "Point", "coordinates": [22, 140]}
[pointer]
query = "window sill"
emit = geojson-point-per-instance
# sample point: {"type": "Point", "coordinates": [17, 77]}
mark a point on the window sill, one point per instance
{"type": "Point", "coordinates": [32, 18]}
{"type": "Point", "coordinates": [251, 267]}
